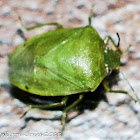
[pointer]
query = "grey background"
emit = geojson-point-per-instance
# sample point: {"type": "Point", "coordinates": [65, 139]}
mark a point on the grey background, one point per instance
{"type": "Point", "coordinates": [103, 123]}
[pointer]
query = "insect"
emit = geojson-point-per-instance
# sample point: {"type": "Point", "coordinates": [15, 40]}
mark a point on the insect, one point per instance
{"type": "Point", "coordinates": [63, 62]}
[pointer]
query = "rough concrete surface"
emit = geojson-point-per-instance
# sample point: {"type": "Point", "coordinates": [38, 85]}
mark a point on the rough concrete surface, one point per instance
{"type": "Point", "coordinates": [105, 122]}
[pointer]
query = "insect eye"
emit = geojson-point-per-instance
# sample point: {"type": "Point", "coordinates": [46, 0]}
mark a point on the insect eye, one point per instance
{"type": "Point", "coordinates": [109, 70]}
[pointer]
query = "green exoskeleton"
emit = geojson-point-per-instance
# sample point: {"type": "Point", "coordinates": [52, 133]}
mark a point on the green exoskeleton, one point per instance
{"type": "Point", "coordinates": [63, 62]}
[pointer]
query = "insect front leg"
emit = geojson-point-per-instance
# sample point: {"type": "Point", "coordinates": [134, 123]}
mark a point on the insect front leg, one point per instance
{"type": "Point", "coordinates": [59, 26]}
{"type": "Point", "coordinates": [107, 88]}
{"type": "Point", "coordinates": [109, 38]}
{"type": "Point", "coordinates": [47, 106]}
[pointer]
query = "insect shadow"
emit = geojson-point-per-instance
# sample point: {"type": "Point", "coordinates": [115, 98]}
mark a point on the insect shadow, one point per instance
{"type": "Point", "coordinates": [90, 100]}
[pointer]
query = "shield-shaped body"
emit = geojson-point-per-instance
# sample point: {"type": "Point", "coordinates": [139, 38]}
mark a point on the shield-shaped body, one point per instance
{"type": "Point", "coordinates": [60, 62]}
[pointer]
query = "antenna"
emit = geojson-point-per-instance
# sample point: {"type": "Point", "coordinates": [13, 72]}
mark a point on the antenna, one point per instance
{"type": "Point", "coordinates": [131, 87]}
{"type": "Point", "coordinates": [118, 40]}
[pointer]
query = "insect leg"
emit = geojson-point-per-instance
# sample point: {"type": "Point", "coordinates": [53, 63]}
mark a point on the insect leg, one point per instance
{"type": "Point", "coordinates": [109, 38]}
{"type": "Point", "coordinates": [67, 109]}
{"type": "Point", "coordinates": [107, 88]}
{"type": "Point", "coordinates": [59, 26]}
{"type": "Point", "coordinates": [45, 106]}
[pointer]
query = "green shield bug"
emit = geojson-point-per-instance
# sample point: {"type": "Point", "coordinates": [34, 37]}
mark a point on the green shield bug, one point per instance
{"type": "Point", "coordinates": [64, 62]}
